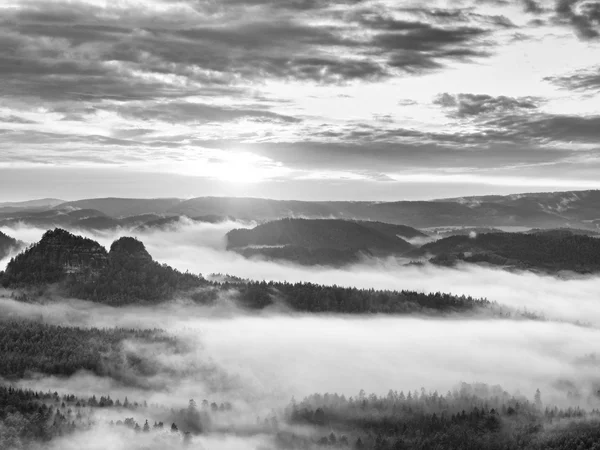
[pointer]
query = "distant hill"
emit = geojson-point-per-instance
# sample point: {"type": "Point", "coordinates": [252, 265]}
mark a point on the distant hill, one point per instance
{"type": "Point", "coordinates": [573, 209]}
{"type": "Point", "coordinates": [43, 203]}
{"type": "Point", "coordinates": [313, 241]}
{"type": "Point", "coordinates": [443, 232]}
{"type": "Point", "coordinates": [164, 223]}
{"type": "Point", "coordinates": [549, 252]}
{"type": "Point", "coordinates": [84, 269]}
{"type": "Point", "coordinates": [96, 223]}
{"type": "Point", "coordinates": [134, 221]}
{"type": "Point", "coordinates": [576, 206]}
{"type": "Point", "coordinates": [49, 218]}
{"type": "Point", "coordinates": [124, 207]}
{"type": "Point", "coordinates": [473, 212]}
{"type": "Point", "coordinates": [564, 232]}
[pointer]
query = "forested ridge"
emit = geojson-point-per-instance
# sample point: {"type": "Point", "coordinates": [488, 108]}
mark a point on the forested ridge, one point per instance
{"type": "Point", "coordinates": [470, 417]}
{"type": "Point", "coordinates": [31, 347]}
{"type": "Point", "coordinates": [326, 234]}
{"type": "Point", "coordinates": [315, 298]}
{"type": "Point", "coordinates": [85, 270]}
{"type": "Point", "coordinates": [127, 274]}
{"type": "Point", "coordinates": [29, 419]}
{"type": "Point", "coordinates": [546, 251]}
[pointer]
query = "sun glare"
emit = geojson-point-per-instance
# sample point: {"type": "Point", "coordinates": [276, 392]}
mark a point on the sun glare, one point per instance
{"type": "Point", "coordinates": [233, 167]}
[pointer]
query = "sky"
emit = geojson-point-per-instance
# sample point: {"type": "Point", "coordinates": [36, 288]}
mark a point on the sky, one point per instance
{"type": "Point", "coordinates": [304, 99]}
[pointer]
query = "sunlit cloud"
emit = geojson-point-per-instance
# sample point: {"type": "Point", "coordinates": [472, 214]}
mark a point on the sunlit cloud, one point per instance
{"type": "Point", "coordinates": [157, 86]}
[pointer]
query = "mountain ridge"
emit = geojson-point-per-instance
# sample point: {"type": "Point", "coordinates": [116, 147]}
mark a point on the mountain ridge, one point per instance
{"type": "Point", "coordinates": [571, 209]}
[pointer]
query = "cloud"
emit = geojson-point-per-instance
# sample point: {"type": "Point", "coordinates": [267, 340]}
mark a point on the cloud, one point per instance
{"type": "Point", "coordinates": [581, 80]}
{"type": "Point", "coordinates": [532, 6]}
{"type": "Point", "coordinates": [96, 85]}
{"type": "Point", "coordinates": [465, 105]}
{"type": "Point", "coordinates": [180, 112]}
{"type": "Point", "coordinates": [549, 127]}
{"type": "Point", "coordinates": [582, 15]}
{"type": "Point", "coordinates": [61, 51]}
{"type": "Point", "coordinates": [16, 119]}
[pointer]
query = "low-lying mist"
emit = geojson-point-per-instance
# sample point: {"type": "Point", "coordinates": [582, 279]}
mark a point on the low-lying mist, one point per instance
{"type": "Point", "coordinates": [265, 359]}
{"type": "Point", "coordinates": [258, 361]}
{"type": "Point", "coordinates": [200, 248]}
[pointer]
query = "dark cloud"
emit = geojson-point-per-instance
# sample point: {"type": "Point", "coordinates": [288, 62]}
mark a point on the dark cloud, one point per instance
{"type": "Point", "coordinates": [180, 112]}
{"type": "Point", "coordinates": [548, 127]}
{"type": "Point", "coordinates": [468, 105]}
{"type": "Point", "coordinates": [532, 6]}
{"type": "Point", "coordinates": [16, 119]}
{"type": "Point", "coordinates": [64, 52]}
{"type": "Point", "coordinates": [386, 157]}
{"type": "Point", "coordinates": [584, 80]}
{"type": "Point", "coordinates": [582, 15]}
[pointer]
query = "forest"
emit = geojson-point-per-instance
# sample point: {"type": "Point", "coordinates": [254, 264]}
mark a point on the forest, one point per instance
{"type": "Point", "coordinates": [543, 251]}
{"type": "Point", "coordinates": [315, 298]}
{"type": "Point", "coordinates": [140, 363]}
{"type": "Point", "coordinates": [127, 274]}
{"type": "Point", "coordinates": [30, 347]}
{"type": "Point", "coordinates": [469, 417]}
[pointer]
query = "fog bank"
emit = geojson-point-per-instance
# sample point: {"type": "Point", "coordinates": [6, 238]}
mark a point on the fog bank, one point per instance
{"type": "Point", "coordinates": [200, 248]}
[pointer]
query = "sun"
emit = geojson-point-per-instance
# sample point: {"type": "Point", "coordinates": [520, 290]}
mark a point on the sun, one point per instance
{"type": "Point", "coordinates": [245, 167]}
{"type": "Point", "coordinates": [237, 172]}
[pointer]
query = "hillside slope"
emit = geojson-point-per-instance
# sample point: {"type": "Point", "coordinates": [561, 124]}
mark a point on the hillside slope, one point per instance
{"type": "Point", "coordinates": [84, 269]}
{"type": "Point", "coordinates": [550, 252]}
{"type": "Point", "coordinates": [320, 241]}
{"type": "Point", "coordinates": [580, 206]}
{"type": "Point", "coordinates": [8, 244]}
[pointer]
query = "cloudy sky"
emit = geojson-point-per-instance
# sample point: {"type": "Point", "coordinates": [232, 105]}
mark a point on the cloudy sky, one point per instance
{"type": "Point", "coordinates": [307, 99]}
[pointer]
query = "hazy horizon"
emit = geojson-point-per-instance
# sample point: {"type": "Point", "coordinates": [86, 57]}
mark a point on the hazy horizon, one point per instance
{"type": "Point", "coordinates": [19, 200]}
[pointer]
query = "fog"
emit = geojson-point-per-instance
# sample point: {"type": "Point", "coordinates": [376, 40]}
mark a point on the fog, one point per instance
{"type": "Point", "coordinates": [103, 437]}
{"type": "Point", "coordinates": [200, 248]}
{"type": "Point", "coordinates": [258, 361]}
{"type": "Point", "coordinates": [264, 359]}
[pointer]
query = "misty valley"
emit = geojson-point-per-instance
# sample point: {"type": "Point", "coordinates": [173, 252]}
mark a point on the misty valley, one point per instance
{"type": "Point", "coordinates": [127, 324]}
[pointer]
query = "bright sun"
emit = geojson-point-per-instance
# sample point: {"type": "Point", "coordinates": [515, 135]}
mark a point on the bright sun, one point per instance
{"type": "Point", "coordinates": [244, 167]}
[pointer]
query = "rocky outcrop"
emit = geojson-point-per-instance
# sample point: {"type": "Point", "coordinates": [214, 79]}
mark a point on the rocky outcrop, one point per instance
{"type": "Point", "coordinates": [72, 253]}
{"type": "Point", "coordinates": [128, 248]}
{"type": "Point", "coordinates": [82, 268]}
{"type": "Point", "coordinates": [56, 255]}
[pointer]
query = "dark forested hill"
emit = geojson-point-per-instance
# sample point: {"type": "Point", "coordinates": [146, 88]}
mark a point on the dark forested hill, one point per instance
{"type": "Point", "coordinates": [86, 270]}
{"type": "Point", "coordinates": [544, 251]}
{"type": "Point", "coordinates": [53, 257]}
{"type": "Point", "coordinates": [321, 240]}
{"type": "Point", "coordinates": [55, 350]}
{"type": "Point", "coordinates": [82, 268]}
